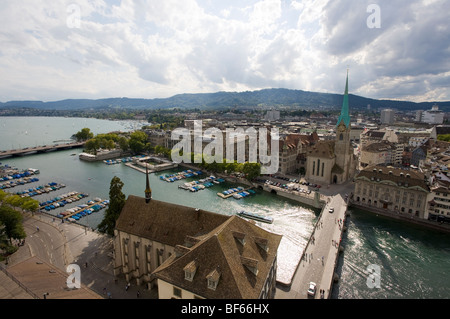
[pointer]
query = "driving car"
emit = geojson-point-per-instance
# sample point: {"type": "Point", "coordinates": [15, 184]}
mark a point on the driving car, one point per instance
{"type": "Point", "coordinates": [331, 210]}
{"type": "Point", "coordinates": [312, 288]}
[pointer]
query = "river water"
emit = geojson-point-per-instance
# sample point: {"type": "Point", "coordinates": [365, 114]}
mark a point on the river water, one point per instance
{"type": "Point", "coordinates": [414, 262]}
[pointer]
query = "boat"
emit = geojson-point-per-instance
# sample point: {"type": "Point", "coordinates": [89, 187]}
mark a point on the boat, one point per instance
{"type": "Point", "coordinates": [264, 219]}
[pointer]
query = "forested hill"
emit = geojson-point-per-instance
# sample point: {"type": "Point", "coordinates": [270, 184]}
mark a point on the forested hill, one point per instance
{"type": "Point", "coordinates": [266, 97]}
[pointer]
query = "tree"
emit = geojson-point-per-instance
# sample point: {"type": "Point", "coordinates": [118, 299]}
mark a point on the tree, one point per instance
{"type": "Point", "coordinates": [92, 145]}
{"type": "Point", "coordinates": [123, 143]}
{"type": "Point", "coordinates": [251, 170]}
{"type": "Point", "coordinates": [84, 134]}
{"type": "Point", "coordinates": [116, 203]}
{"type": "Point", "coordinates": [3, 236]}
{"type": "Point", "coordinates": [12, 221]}
{"type": "Point", "coordinates": [137, 141]}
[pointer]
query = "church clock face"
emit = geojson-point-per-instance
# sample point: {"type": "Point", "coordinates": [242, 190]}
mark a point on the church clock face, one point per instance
{"type": "Point", "coordinates": [341, 128]}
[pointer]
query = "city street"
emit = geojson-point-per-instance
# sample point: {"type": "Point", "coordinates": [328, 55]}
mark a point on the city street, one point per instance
{"type": "Point", "coordinates": [61, 244]}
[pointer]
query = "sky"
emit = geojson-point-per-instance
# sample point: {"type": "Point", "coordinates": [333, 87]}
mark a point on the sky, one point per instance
{"type": "Point", "coordinates": [53, 50]}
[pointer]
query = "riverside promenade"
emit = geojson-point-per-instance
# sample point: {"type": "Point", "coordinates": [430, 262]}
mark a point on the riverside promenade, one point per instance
{"type": "Point", "coordinates": [320, 256]}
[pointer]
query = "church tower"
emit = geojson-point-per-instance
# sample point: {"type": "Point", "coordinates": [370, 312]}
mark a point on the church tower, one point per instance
{"type": "Point", "coordinates": [343, 149]}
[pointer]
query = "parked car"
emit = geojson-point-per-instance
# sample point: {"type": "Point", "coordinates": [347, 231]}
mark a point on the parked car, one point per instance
{"type": "Point", "coordinates": [331, 210]}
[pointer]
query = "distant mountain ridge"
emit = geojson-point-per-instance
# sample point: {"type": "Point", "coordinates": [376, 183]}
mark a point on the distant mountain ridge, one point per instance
{"type": "Point", "coordinates": [275, 97]}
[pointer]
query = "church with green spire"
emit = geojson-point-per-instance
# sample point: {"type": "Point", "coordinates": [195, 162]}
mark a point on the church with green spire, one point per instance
{"type": "Point", "coordinates": [333, 162]}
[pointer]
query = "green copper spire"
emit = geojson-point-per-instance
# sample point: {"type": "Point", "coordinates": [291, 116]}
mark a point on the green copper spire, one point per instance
{"type": "Point", "coordinates": [344, 111]}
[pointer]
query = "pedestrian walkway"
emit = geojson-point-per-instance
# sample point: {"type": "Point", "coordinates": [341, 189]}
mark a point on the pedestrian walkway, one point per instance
{"type": "Point", "coordinates": [10, 289]}
{"type": "Point", "coordinates": [319, 257]}
{"type": "Point", "coordinates": [90, 250]}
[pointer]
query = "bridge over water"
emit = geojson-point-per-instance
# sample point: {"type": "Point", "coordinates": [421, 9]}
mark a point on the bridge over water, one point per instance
{"type": "Point", "coordinates": [40, 149]}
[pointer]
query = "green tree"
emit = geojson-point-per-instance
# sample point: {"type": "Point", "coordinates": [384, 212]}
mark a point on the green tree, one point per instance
{"type": "Point", "coordinates": [444, 137]}
{"type": "Point", "coordinates": [3, 236]}
{"type": "Point", "coordinates": [92, 145]}
{"type": "Point", "coordinates": [251, 170]}
{"type": "Point", "coordinates": [12, 221]}
{"type": "Point", "coordinates": [137, 142]}
{"type": "Point", "coordinates": [84, 134]}
{"type": "Point", "coordinates": [30, 204]}
{"type": "Point", "coordinates": [123, 143]}
{"type": "Point", "coordinates": [116, 203]}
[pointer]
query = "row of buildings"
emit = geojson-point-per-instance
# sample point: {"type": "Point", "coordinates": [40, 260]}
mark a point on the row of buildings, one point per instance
{"type": "Point", "coordinates": [190, 253]}
{"type": "Point", "coordinates": [433, 116]}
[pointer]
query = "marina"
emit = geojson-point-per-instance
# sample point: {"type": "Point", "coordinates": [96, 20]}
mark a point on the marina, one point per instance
{"type": "Point", "coordinates": [61, 201]}
{"type": "Point", "coordinates": [76, 213]}
{"type": "Point", "coordinates": [399, 249]}
{"type": "Point", "coordinates": [39, 190]}
{"type": "Point", "coordinates": [236, 192]}
{"type": "Point", "coordinates": [21, 181]}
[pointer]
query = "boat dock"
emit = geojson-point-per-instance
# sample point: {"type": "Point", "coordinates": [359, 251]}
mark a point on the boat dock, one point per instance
{"type": "Point", "coordinates": [61, 201]}
{"type": "Point", "coordinates": [232, 191]}
{"type": "Point", "coordinates": [320, 256]}
{"type": "Point", "coordinates": [79, 209]}
{"type": "Point", "coordinates": [35, 191]}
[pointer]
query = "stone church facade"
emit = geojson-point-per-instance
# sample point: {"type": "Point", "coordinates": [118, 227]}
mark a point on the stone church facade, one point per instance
{"type": "Point", "coordinates": [333, 162]}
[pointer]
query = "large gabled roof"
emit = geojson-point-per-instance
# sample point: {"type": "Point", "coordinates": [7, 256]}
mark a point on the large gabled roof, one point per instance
{"type": "Point", "coordinates": [165, 222]}
{"type": "Point", "coordinates": [239, 253]}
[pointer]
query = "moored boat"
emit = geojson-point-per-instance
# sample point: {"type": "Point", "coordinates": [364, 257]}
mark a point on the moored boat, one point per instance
{"type": "Point", "coordinates": [264, 219]}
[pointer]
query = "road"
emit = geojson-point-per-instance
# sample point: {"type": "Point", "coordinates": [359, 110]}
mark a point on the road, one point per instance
{"type": "Point", "coordinates": [320, 255]}
{"type": "Point", "coordinates": [61, 244]}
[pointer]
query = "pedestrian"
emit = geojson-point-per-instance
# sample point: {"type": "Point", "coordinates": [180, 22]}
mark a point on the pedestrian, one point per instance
{"type": "Point", "coordinates": [86, 264]}
{"type": "Point", "coordinates": [37, 228]}
{"type": "Point", "coordinates": [138, 293]}
{"type": "Point", "coordinates": [109, 295]}
{"type": "Point", "coordinates": [104, 290]}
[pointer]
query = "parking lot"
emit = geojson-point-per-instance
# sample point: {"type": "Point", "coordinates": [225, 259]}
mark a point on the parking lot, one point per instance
{"type": "Point", "coordinates": [289, 183]}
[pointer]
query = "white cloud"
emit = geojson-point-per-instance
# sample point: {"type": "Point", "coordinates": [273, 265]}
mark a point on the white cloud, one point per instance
{"type": "Point", "coordinates": [161, 48]}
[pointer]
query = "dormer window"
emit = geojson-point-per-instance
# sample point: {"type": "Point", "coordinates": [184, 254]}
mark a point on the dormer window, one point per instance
{"type": "Point", "coordinates": [251, 264]}
{"type": "Point", "coordinates": [262, 243]}
{"type": "Point", "coordinates": [190, 270]}
{"type": "Point", "coordinates": [240, 237]}
{"type": "Point", "coordinates": [213, 279]}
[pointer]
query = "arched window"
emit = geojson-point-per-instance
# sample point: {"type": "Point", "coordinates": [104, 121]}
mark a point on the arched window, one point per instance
{"type": "Point", "coordinates": [318, 167]}
{"type": "Point", "coordinates": [341, 137]}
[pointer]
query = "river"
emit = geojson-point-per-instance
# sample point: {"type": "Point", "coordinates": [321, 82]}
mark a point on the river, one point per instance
{"type": "Point", "coordinates": [414, 262]}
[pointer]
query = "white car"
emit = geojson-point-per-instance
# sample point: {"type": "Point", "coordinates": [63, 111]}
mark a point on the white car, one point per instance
{"type": "Point", "coordinates": [312, 289]}
{"type": "Point", "coordinates": [331, 210]}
